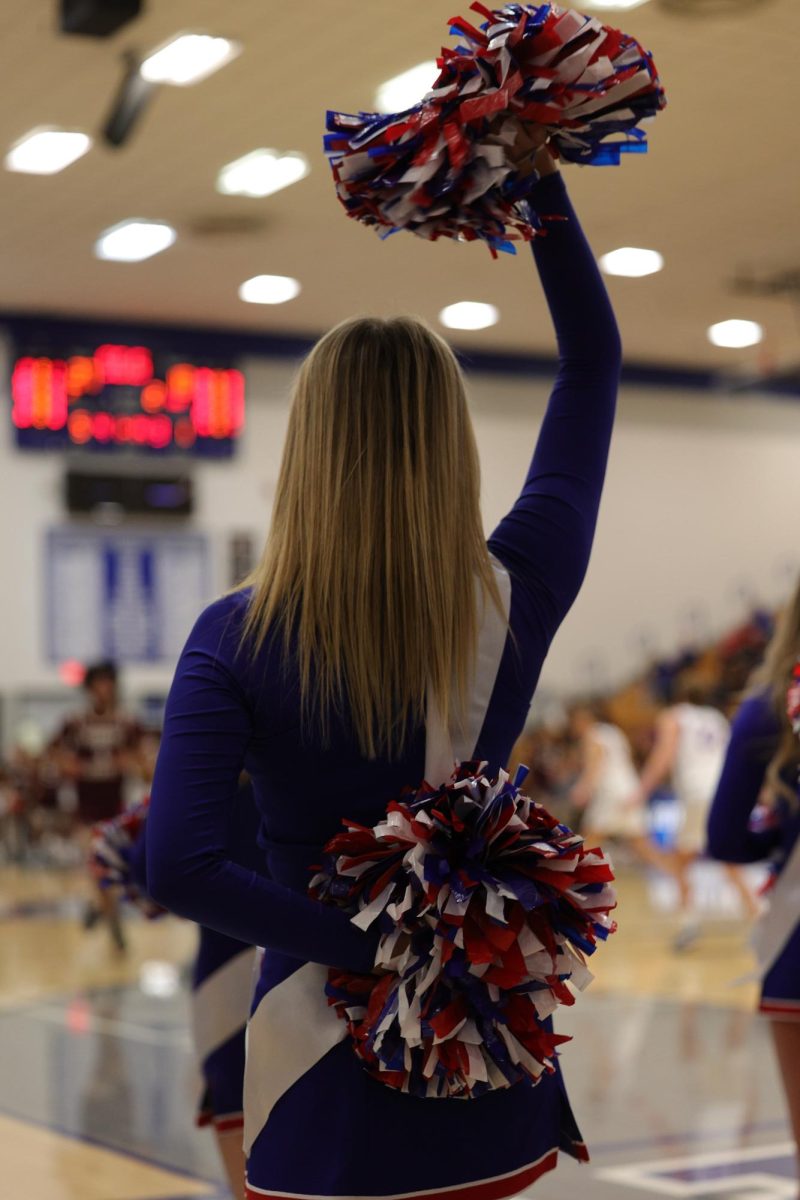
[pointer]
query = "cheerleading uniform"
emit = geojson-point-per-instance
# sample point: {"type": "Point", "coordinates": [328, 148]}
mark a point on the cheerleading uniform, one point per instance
{"type": "Point", "coordinates": [754, 739]}
{"type": "Point", "coordinates": [334, 1130]}
{"type": "Point", "coordinates": [223, 980]}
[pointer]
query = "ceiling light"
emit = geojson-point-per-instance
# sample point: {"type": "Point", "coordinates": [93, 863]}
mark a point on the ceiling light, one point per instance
{"type": "Point", "coordinates": [404, 91]}
{"type": "Point", "coordinates": [134, 240]}
{"type": "Point", "coordinates": [608, 5]}
{"type": "Point", "coordinates": [44, 151]}
{"type": "Point", "coordinates": [269, 289]}
{"type": "Point", "coordinates": [631, 261]}
{"type": "Point", "coordinates": [735, 335]}
{"type": "Point", "coordinates": [261, 172]}
{"type": "Point", "coordinates": [188, 58]}
{"type": "Point", "coordinates": [469, 314]}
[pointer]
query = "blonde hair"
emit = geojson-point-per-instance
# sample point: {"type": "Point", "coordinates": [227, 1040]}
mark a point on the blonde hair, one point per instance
{"type": "Point", "coordinates": [774, 677]}
{"type": "Point", "coordinates": [376, 566]}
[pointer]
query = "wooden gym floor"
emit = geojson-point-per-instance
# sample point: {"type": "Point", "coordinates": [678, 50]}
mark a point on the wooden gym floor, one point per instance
{"type": "Point", "coordinates": [670, 1074]}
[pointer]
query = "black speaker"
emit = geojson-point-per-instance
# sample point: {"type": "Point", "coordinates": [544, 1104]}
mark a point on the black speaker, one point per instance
{"type": "Point", "coordinates": [97, 18]}
{"type": "Point", "coordinates": [140, 495]}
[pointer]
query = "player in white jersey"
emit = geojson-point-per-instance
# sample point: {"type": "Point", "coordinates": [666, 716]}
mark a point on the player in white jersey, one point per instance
{"type": "Point", "coordinates": [689, 749]}
{"type": "Point", "coordinates": [701, 739]}
{"type": "Point", "coordinates": [604, 787]}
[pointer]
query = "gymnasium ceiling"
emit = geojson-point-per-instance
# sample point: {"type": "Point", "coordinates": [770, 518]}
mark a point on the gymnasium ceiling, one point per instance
{"type": "Point", "coordinates": [718, 195]}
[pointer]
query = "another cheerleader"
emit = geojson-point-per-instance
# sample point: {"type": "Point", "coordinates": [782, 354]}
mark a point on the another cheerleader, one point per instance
{"type": "Point", "coordinates": [317, 678]}
{"type": "Point", "coordinates": [762, 761]}
{"type": "Point", "coordinates": [223, 973]}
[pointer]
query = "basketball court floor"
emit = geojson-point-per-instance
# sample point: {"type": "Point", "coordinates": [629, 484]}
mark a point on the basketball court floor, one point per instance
{"type": "Point", "coordinates": [670, 1074]}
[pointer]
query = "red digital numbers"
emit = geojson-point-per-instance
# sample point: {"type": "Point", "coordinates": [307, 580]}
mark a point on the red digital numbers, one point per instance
{"type": "Point", "coordinates": [191, 403]}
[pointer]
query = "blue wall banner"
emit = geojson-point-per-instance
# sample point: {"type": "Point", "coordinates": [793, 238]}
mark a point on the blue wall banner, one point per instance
{"type": "Point", "coordinates": [131, 597]}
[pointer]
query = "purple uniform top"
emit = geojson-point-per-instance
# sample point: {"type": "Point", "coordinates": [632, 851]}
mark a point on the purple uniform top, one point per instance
{"type": "Point", "coordinates": [755, 731]}
{"type": "Point", "coordinates": [755, 734]}
{"type": "Point", "coordinates": [228, 710]}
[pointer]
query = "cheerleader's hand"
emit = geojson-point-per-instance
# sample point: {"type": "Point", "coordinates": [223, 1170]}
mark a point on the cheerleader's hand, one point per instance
{"type": "Point", "coordinates": [530, 150]}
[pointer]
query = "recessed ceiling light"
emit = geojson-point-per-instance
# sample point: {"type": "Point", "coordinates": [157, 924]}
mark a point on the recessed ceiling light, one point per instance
{"type": "Point", "coordinates": [631, 261]}
{"type": "Point", "coordinates": [735, 335]}
{"type": "Point", "coordinates": [261, 172]}
{"type": "Point", "coordinates": [134, 240]}
{"type": "Point", "coordinates": [608, 5]}
{"type": "Point", "coordinates": [45, 150]}
{"type": "Point", "coordinates": [269, 289]}
{"type": "Point", "coordinates": [188, 58]}
{"type": "Point", "coordinates": [405, 90]}
{"type": "Point", "coordinates": [469, 314]}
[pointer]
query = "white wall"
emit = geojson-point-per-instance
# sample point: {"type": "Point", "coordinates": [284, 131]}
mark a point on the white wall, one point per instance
{"type": "Point", "coordinates": [698, 520]}
{"type": "Point", "coordinates": [699, 517]}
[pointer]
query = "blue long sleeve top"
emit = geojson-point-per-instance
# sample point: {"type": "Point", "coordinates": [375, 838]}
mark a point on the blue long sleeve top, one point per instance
{"type": "Point", "coordinates": [754, 739]}
{"type": "Point", "coordinates": [227, 711]}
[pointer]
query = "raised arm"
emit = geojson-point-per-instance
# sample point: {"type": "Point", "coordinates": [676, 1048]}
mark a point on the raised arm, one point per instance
{"type": "Point", "coordinates": [207, 730]}
{"type": "Point", "coordinates": [754, 738]}
{"type": "Point", "coordinates": [546, 539]}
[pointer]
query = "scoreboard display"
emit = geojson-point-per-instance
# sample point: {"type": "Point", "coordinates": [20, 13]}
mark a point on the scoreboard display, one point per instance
{"type": "Point", "coordinates": [109, 395]}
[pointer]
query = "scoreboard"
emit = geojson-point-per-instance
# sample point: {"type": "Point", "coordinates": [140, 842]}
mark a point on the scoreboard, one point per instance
{"type": "Point", "coordinates": [110, 395]}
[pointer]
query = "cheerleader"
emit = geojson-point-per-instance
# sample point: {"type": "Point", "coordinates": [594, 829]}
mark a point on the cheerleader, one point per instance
{"type": "Point", "coordinates": [762, 760]}
{"type": "Point", "coordinates": [329, 679]}
{"type": "Point", "coordinates": [223, 973]}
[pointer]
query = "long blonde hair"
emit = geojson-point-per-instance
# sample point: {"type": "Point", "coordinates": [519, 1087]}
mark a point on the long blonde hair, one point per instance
{"type": "Point", "coordinates": [774, 677]}
{"type": "Point", "coordinates": [376, 565]}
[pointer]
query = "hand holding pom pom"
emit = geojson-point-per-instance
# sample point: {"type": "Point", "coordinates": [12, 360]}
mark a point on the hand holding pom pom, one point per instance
{"type": "Point", "coordinates": [487, 906]}
{"type": "Point", "coordinates": [111, 850]}
{"type": "Point", "coordinates": [447, 167]}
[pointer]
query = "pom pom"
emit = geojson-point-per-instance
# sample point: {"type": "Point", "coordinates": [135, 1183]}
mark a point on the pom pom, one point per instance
{"type": "Point", "coordinates": [442, 169]}
{"type": "Point", "coordinates": [793, 699]}
{"type": "Point", "coordinates": [487, 907]}
{"type": "Point", "coordinates": [111, 848]}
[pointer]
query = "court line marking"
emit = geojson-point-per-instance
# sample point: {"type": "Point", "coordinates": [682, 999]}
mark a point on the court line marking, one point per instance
{"type": "Point", "coordinates": [644, 1175]}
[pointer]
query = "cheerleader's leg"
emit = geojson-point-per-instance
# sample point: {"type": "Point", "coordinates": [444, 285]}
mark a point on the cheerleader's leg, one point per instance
{"type": "Point", "coordinates": [223, 985]}
{"type": "Point", "coordinates": [780, 1001]}
{"type": "Point", "coordinates": [231, 1152]}
{"type": "Point", "coordinates": [786, 1039]}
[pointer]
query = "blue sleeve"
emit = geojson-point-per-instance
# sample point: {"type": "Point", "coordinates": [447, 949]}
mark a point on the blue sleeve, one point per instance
{"type": "Point", "coordinates": [207, 729]}
{"type": "Point", "coordinates": [546, 539]}
{"type": "Point", "coordinates": [754, 739]}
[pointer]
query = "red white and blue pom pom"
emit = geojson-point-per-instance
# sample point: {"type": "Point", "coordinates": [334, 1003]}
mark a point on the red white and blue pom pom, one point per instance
{"type": "Point", "coordinates": [793, 699]}
{"type": "Point", "coordinates": [111, 850]}
{"type": "Point", "coordinates": [441, 168]}
{"type": "Point", "coordinates": [487, 907]}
